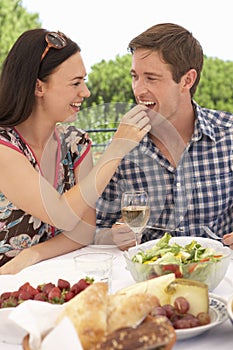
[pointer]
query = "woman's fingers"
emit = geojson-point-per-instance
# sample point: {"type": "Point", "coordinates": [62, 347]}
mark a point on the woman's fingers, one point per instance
{"type": "Point", "coordinates": [134, 125]}
{"type": "Point", "coordinates": [136, 116]}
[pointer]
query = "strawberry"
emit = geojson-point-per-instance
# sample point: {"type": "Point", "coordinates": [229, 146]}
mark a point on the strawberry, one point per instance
{"type": "Point", "coordinates": [75, 288]}
{"type": "Point", "coordinates": [24, 286]}
{"type": "Point", "coordinates": [54, 296]}
{"type": "Point", "coordinates": [40, 296]}
{"type": "Point", "coordinates": [5, 295]}
{"type": "Point", "coordinates": [46, 287]}
{"type": "Point", "coordinates": [33, 291]}
{"type": "Point", "coordinates": [24, 295]}
{"type": "Point", "coordinates": [15, 294]}
{"type": "Point", "coordinates": [68, 296]}
{"type": "Point", "coordinates": [82, 284]}
{"type": "Point", "coordinates": [11, 302]}
{"type": "Point", "coordinates": [63, 284]}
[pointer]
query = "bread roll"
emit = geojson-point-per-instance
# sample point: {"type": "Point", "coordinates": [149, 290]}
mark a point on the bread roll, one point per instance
{"type": "Point", "coordinates": [154, 333]}
{"type": "Point", "coordinates": [128, 310]}
{"type": "Point", "coordinates": [88, 312]}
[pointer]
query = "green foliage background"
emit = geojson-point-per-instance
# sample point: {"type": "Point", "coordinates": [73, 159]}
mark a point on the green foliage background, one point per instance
{"type": "Point", "coordinates": [111, 93]}
{"type": "Point", "coordinates": [14, 20]}
{"type": "Point", "coordinates": [110, 81]}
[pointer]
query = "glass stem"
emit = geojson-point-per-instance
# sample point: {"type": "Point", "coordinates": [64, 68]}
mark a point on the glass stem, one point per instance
{"type": "Point", "coordinates": [138, 237]}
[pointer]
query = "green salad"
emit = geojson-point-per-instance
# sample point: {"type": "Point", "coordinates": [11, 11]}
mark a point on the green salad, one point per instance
{"type": "Point", "coordinates": [189, 261]}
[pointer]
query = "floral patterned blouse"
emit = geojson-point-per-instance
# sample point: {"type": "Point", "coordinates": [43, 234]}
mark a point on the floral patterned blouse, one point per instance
{"type": "Point", "coordinates": [18, 229]}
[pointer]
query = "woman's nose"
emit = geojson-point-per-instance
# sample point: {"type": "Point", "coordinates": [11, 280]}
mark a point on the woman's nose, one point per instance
{"type": "Point", "coordinates": [85, 91]}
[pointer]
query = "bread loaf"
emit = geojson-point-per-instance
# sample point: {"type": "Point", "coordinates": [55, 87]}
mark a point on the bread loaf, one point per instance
{"type": "Point", "coordinates": [128, 310]}
{"type": "Point", "coordinates": [88, 313]}
{"type": "Point", "coordinates": [153, 333]}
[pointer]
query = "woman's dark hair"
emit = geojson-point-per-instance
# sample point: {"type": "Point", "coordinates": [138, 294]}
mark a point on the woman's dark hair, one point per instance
{"type": "Point", "coordinates": [20, 71]}
{"type": "Point", "coordinates": [177, 47]}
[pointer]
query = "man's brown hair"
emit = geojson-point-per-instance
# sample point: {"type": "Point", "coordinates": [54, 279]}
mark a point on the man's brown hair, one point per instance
{"type": "Point", "coordinates": [177, 47]}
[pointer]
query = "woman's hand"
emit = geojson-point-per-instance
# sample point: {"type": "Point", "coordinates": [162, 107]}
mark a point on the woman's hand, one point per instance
{"type": "Point", "coordinates": [25, 258]}
{"type": "Point", "coordinates": [134, 125]}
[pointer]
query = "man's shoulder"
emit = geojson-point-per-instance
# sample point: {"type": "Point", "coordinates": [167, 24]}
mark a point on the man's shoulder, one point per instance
{"type": "Point", "coordinates": [214, 119]}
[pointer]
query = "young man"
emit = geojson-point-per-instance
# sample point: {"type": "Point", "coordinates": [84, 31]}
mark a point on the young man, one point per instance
{"type": "Point", "coordinates": [185, 162]}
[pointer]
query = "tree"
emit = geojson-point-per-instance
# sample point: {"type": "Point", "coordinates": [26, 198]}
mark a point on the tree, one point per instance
{"type": "Point", "coordinates": [110, 81]}
{"type": "Point", "coordinates": [215, 89]}
{"type": "Point", "coordinates": [14, 20]}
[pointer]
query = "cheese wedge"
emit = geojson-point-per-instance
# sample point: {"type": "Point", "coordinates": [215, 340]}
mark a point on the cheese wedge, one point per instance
{"type": "Point", "coordinates": [155, 286]}
{"type": "Point", "coordinates": [196, 293]}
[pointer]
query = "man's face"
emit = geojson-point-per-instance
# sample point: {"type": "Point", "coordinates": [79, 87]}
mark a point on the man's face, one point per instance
{"type": "Point", "coordinates": [152, 83]}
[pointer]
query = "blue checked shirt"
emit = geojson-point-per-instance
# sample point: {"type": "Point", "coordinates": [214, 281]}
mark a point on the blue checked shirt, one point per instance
{"type": "Point", "coordinates": [199, 191]}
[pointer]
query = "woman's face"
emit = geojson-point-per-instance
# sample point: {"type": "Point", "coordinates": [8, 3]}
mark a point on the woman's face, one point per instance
{"type": "Point", "coordinates": [65, 90]}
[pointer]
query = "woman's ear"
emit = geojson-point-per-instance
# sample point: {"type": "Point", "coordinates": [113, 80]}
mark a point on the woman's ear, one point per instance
{"type": "Point", "coordinates": [39, 90]}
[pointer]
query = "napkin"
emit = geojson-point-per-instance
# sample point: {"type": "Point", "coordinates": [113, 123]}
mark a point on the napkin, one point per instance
{"type": "Point", "coordinates": [63, 336]}
{"type": "Point", "coordinates": [38, 319]}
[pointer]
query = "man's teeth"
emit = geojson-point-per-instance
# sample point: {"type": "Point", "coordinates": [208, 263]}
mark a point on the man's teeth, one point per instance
{"type": "Point", "coordinates": [147, 103]}
{"type": "Point", "coordinates": [76, 104]}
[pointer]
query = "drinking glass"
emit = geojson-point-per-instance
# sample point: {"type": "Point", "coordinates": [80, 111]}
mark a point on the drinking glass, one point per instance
{"type": "Point", "coordinates": [135, 211]}
{"type": "Point", "coordinates": [95, 265]}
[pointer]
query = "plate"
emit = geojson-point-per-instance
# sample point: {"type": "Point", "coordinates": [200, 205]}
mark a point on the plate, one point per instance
{"type": "Point", "coordinates": [218, 314]}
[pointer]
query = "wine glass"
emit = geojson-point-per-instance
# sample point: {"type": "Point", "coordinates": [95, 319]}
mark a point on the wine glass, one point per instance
{"type": "Point", "coordinates": [135, 211]}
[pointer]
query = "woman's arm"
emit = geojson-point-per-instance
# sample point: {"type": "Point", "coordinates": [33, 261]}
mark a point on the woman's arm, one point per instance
{"type": "Point", "coordinates": [81, 235]}
{"type": "Point", "coordinates": [55, 246]}
{"type": "Point", "coordinates": [32, 193]}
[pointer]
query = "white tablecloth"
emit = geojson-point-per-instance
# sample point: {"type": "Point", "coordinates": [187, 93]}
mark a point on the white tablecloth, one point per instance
{"type": "Point", "coordinates": [220, 337]}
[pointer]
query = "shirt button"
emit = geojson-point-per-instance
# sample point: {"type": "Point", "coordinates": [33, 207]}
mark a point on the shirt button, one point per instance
{"type": "Point", "coordinates": [178, 184]}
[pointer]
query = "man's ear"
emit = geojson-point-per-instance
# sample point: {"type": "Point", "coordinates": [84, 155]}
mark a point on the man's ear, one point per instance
{"type": "Point", "coordinates": [39, 90]}
{"type": "Point", "coordinates": [189, 79]}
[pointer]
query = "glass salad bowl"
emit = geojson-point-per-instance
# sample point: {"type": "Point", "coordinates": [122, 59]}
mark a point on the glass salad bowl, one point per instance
{"type": "Point", "coordinates": [196, 258]}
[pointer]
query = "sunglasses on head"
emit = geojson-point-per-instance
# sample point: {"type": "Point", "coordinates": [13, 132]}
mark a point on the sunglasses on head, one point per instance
{"type": "Point", "coordinates": [54, 40]}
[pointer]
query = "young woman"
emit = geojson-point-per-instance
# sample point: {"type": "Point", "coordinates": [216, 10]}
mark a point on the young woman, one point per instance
{"type": "Point", "coordinates": [48, 185]}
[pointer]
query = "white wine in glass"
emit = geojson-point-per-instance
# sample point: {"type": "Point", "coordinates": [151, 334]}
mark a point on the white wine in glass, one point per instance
{"type": "Point", "coordinates": [135, 211]}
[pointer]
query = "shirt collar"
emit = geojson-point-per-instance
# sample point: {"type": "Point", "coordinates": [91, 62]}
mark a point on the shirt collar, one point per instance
{"type": "Point", "coordinates": [202, 124]}
{"type": "Point", "coordinates": [212, 123]}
